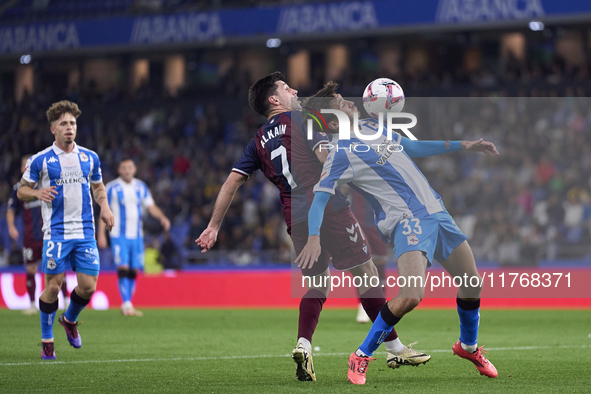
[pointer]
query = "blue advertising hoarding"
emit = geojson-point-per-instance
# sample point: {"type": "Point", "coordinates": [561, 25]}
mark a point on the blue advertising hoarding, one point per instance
{"type": "Point", "coordinates": [361, 17]}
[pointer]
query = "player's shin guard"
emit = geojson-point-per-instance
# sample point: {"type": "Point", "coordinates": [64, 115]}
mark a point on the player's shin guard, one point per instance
{"type": "Point", "coordinates": [123, 284]}
{"type": "Point", "coordinates": [131, 280]}
{"type": "Point", "coordinates": [47, 312]}
{"type": "Point", "coordinates": [31, 286]}
{"type": "Point", "coordinates": [469, 312]}
{"type": "Point", "coordinates": [310, 308]}
{"type": "Point", "coordinates": [373, 300]}
{"type": "Point", "coordinates": [77, 304]}
{"type": "Point", "coordinates": [378, 332]}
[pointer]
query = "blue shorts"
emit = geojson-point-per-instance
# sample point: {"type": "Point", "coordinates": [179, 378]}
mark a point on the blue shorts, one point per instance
{"type": "Point", "coordinates": [129, 252]}
{"type": "Point", "coordinates": [80, 254]}
{"type": "Point", "coordinates": [437, 235]}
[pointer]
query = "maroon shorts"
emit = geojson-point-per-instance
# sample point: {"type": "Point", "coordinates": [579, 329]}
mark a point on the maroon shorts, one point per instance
{"type": "Point", "coordinates": [33, 253]}
{"type": "Point", "coordinates": [376, 245]}
{"type": "Point", "coordinates": [341, 238]}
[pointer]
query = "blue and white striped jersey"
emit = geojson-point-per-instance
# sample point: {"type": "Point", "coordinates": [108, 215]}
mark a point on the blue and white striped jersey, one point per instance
{"type": "Point", "coordinates": [384, 174]}
{"type": "Point", "coordinates": [127, 202]}
{"type": "Point", "coordinates": [70, 214]}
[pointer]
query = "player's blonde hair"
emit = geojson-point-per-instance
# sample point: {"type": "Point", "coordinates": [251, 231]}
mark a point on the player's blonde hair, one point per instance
{"type": "Point", "coordinates": [62, 107]}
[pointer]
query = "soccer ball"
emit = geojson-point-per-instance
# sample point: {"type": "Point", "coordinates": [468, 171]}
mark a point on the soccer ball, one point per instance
{"type": "Point", "coordinates": [383, 95]}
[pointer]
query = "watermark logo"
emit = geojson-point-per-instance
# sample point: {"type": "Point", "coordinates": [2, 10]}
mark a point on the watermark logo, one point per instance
{"type": "Point", "coordinates": [345, 124]}
{"type": "Point", "coordinates": [319, 119]}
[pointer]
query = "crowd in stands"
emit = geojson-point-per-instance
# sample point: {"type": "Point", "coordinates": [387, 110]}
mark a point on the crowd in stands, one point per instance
{"type": "Point", "coordinates": [531, 203]}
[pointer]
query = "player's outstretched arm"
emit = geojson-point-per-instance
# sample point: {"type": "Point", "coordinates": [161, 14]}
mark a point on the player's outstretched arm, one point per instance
{"type": "Point", "coordinates": [209, 236]}
{"type": "Point", "coordinates": [27, 193]}
{"type": "Point", "coordinates": [311, 251]}
{"type": "Point", "coordinates": [433, 148]}
{"type": "Point", "coordinates": [157, 213]}
{"type": "Point", "coordinates": [488, 148]}
{"type": "Point", "coordinates": [100, 196]}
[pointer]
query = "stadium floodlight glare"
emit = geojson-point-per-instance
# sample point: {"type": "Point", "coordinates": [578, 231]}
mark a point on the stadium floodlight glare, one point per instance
{"type": "Point", "coordinates": [536, 26]}
{"type": "Point", "coordinates": [273, 43]}
{"type": "Point", "coordinates": [25, 59]}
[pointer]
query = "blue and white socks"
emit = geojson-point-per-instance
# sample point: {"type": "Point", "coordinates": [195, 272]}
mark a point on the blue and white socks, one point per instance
{"type": "Point", "coordinates": [469, 312]}
{"type": "Point", "coordinates": [380, 329]}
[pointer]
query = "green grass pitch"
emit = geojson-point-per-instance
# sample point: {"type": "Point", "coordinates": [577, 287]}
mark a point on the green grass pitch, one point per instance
{"type": "Point", "coordinates": [228, 351]}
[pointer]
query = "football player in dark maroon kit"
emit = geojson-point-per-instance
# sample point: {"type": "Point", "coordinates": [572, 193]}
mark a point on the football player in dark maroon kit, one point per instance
{"type": "Point", "coordinates": [290, 160]}
{"type": "Point", "coordinates": [32, 239]}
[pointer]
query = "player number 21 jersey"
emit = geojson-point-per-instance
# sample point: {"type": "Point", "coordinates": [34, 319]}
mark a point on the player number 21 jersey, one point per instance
{"type": "Point", "coordinates": [70, 215]}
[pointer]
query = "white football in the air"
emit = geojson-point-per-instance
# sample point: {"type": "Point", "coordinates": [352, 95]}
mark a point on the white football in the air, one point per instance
{"type": "Point", "coordinates": [383, 95]}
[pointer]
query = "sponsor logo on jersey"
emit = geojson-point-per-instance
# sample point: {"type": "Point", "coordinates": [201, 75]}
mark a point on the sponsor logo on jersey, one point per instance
{"type": "Point", "coordinates": [52, 159]}
{"type": "Point", "coordinates": [69, 177]}
{"type": "Point", "coordinates": [412, 239]}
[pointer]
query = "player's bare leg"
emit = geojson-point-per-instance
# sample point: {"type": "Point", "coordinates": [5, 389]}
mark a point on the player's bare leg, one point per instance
{"type": "Point", "coordinates": [373, 301]}
{"type": "Point", "coordinates": [310, 308]}
{"type": "Point", "coordinates": [461, 262]}
{"type": "Point", "coordinates": [31, 287]}
{"type": "Point", "coordinates": [380, 264]}
{"type": "Point", "coordinates": [48, 307]}
{"type": "Point", "coordinates": [126, 283]}
{"type": "Point", "coordinates": [79, 298]}
{"type": "Point", "coordinates": [407, 355]}
{"type": "Point", "coordinates": [410, 264]}
{"type": "Point", "coordinates": [65, 294]}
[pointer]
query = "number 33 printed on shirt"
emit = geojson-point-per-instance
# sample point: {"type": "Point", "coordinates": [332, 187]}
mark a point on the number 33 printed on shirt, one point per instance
{"type": "Point", "coordinates": [416, 222]}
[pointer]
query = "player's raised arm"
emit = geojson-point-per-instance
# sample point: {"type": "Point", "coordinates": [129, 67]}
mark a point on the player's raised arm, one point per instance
{"type": "Point", "coordinates": [100, 196]}
{"type": "Point", "coordinates": [488, 148]}
{"type": "Point", "coordinates": [433, 148]}
{"type": "Point", "coordinates": [209, 236]}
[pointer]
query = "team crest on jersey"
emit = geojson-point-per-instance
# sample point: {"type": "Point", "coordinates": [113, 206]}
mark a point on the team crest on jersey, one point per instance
{"type": "Point", "coordinates": [412, 239]}
{"type": "Point", "coordinates": [365, 248]}
{"type": "Point", "coordinates": [83, 157]}
{"type": "Point", "coordinates": [51, 264]}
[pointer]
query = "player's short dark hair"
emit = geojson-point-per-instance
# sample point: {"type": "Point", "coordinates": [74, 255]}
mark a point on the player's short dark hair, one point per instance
{"type": "Point", "coordinates": [261, 90]}
{"type": "Point", "coordinates": [62, 107]}
{"type": "Point", "coordinates": [320, 100]}
{"type": "Point", "coordinates": [126, 158]}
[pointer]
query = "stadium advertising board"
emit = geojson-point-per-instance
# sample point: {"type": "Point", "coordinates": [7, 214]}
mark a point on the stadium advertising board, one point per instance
{"type": "Point", "coordinates": [339, 18]}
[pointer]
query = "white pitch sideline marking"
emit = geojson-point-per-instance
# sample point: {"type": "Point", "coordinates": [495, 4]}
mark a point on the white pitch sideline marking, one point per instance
{"type": "Point", "coordinates": [140, 360]}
